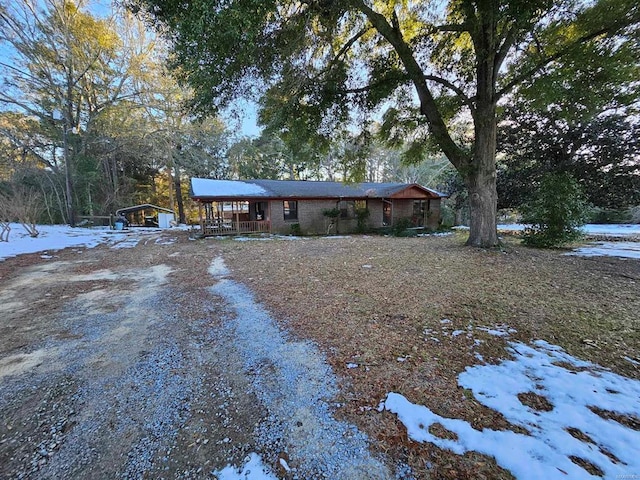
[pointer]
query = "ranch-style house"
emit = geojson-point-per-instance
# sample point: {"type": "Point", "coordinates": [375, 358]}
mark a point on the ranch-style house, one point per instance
{"type": "Point", "coordinates": [231, 207]}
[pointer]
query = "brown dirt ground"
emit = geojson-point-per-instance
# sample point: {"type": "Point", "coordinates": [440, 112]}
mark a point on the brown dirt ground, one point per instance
{"type": "Point", "coordinates": [367, 300]}
{"type": "Point", "coordinates": [371, 300]}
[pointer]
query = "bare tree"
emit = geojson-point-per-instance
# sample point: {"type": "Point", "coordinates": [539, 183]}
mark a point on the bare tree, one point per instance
{"type": "Point", "coordinates": [24, 205]}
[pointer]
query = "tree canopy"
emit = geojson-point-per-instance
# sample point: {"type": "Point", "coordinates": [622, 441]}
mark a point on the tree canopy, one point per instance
{"type": "Point", "coordinates": [89, 117]}
{"type": "Point", "coordinates": [323, 64]}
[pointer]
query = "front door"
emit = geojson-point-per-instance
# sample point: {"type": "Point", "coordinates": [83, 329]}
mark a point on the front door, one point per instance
{"type": "Point", "coordinates": [387, 212]}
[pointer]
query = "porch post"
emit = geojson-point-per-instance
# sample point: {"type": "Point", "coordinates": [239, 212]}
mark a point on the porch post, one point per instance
{"type": "Point", "coordinates": [237, 204]}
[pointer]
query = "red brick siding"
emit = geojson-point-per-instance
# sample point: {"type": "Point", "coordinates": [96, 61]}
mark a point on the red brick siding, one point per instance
{"type": "Point", "coordinates": [313, 222]}
{"type": "Point", "coordinates": [402, 209]}
{"type": "Point", "coordinates": [375, 213]}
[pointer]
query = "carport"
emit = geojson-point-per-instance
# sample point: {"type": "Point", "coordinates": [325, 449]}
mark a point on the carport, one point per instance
{"type": "Point", "coordinates": [147, 215]}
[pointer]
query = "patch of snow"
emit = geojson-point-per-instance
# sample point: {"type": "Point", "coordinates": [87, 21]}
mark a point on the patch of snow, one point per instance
{"type": "Point", "coordinates": [217, 268]}
{"type": "Point", "coordinates": [367, 266]}
{"type": "Point", "coordinates": [295, 385]}
{"type": "Point", "coordinates": [498, 331]}
{"type": "Point", "coordinates": [436, 234]}
{"type": "Point", "coordinates": [206, 187]}
{"type": "Point", "coordinates": [285, 465]}
{"type": "Point", "coordinates": [267, 237]}
{"type": "Point", "coordinates": [616, 230]}
{"type": "Point", "coordinates": [545, 452]}
{"type": "Point", "coordinates": [127, 243]}
{"type": "Point", "coordinates": [612, 230]}
{"type": "Point", "coordinates": [168, 241]}
{"type": "Point", "coordinates": [352, 365]}
{"type": "Point", "coordinates": [631, 360]}
{"type": "Point", "coordinates": [609, 249]}
{"type": "Point", "coordinates": [53, 237]}
{"type": "Point", "coordinates": [455, 333]}
{"type": "Point", "coordinates": [445, 320]}
{"type": "Point", "coordinates": [253, 469]}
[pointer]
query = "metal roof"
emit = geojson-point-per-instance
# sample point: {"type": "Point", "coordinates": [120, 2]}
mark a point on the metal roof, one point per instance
{"type": "Point", "coordinates": [138, 208]}
{"type": "Point", "coordinates": [209, 189]}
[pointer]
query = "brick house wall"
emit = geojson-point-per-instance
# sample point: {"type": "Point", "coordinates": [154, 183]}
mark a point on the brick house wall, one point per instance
{"type": "Point", "coordinates": [276, 216]}
{"type": "Point", "coordinates": [313, 222]}
{"type": "Point", "coordinates": [402, 208]}
{"type": "Point", "coordinates": [375, 212]}
{"type": "Point", "coordinates": [310, 217]}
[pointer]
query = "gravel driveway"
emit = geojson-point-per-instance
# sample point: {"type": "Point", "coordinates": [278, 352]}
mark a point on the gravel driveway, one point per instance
{"type": "Point", "coordinates": [152, 361]}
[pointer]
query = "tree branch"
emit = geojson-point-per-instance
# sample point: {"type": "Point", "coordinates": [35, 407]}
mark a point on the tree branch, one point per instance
{"type": "Point", "coordinates": [452, 27]}
{"type": "Point", "coordinates": [464, 98]}
{"type": "Point", "coordinates": [507, 43]}
{"type": "Point", "coordinates": [428, 105]}
{"type": "Point", "coordinates": [551, 58]}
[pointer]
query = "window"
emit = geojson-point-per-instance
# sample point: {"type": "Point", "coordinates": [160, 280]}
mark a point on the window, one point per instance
{"type": "Point", "coordinates": [349, 208]}
{"type": "Point", "coordinates": [420, 211]}
{"type": "Point", "coordinates": [420, 207]}
{"type": "Point", "coordinates": [290, 210]}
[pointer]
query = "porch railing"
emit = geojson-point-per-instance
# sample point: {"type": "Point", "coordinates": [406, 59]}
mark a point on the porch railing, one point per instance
{"type": "Point", "coordinates": [235, 228]}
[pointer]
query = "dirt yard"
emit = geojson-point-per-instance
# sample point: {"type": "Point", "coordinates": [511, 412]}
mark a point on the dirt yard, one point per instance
{"type": "Point", "coordinates": [141, 361]}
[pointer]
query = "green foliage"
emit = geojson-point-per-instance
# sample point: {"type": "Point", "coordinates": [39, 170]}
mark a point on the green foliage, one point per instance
{"type": "Point", "coordinates": [327, 66]}
{"type": "Point", "coordinates": [555, 213]}
{"type": "Point", "coordinates": [331, 212]}
{"type": "Point", "coordinates": [296, 230]}
{"type": "Point", "coordinates": [403, 228]}
{"type": "Point", "coordinates": [362, 216]}
{"type": "Point", "coordinates": [600, 153]}
{"type": "Point", "coordinates": [610, 215]}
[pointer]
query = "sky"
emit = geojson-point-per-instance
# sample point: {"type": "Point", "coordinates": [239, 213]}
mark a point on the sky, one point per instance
{"type": "Point", "coordinates": [246, 110]}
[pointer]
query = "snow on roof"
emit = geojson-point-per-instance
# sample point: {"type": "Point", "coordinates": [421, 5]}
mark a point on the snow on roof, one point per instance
{"type": "Point", "coordinates": [207, 188]}
{"type": "Point", "coordinates": [144, 206]}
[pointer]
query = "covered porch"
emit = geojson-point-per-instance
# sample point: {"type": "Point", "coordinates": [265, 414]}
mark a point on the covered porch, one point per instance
{"type": "Point", "coordinates": [234, 218]}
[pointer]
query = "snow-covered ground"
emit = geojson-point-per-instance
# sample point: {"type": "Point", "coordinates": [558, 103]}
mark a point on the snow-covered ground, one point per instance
{"type": "Point", "coordinates": [568, 430]}
{"type": "Point", "coordinates": [610, 249]}
{"type": "Point", "coordinates": [53, 237]}
{"type": "Point", "coordinates": [57, 237]}
{"type": "Point", "coordinates": [575, 390]}
{"type": "Point", "coordinates": [610, 230]}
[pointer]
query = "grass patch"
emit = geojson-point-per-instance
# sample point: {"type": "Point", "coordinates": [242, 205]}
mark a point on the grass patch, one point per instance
{"type": "Point", "coordinates": [414, 312]}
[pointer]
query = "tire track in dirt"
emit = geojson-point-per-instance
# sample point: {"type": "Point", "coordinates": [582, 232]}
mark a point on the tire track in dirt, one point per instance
{"type": "Point", "coordinates": [136, 362]}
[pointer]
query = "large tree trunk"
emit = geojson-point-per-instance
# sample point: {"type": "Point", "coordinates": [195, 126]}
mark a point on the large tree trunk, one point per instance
{"type": "Point", "coordinates": [178, 188]}
{"type": "Point", "coordinates": [481, 181]}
